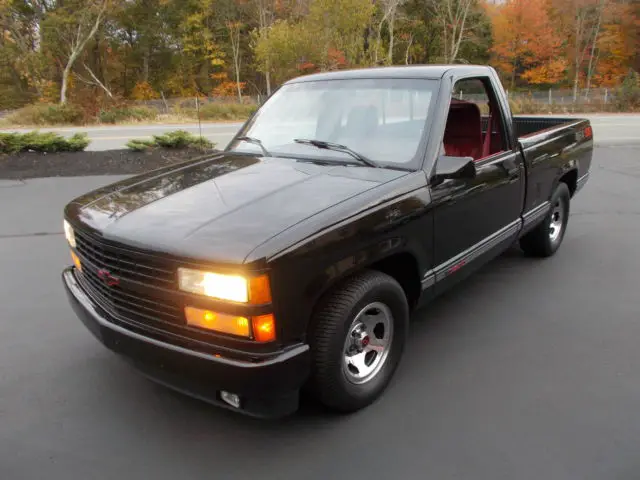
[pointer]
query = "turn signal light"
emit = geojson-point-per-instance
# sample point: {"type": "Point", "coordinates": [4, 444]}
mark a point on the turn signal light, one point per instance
{"type": "Point", "coordinates": [264, 328]}
{"type": "Point", "coordinates": [259, 290]}
{"type": "Point", "coordinates": [76, 260]}
{"type": "Point", "coordinates": [218, 322]}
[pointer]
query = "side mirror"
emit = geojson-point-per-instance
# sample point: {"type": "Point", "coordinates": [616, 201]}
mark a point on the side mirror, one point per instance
{"type": "Point", "coordinates": [454, 167]}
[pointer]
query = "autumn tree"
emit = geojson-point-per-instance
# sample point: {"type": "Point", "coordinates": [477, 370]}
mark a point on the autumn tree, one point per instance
{"type": "Point", "coordinates": [68, 29]}
{"type": "Point", "coordinates": [525, 44]}
{"type": "Point", "coordinates": [454, 18]}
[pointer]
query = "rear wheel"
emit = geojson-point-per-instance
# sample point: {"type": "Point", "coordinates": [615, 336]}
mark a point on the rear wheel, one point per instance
{"type": "Point", "coordinates": [358, 335]}
{"type": "Point", "coordinates": [546, 238]}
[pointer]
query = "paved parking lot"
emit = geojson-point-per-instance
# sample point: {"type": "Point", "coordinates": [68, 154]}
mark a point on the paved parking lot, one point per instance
{"type": "Point", "coordinates": [529, 370]}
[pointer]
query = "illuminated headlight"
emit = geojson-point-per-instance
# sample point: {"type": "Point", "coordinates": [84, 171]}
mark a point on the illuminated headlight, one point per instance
{"type": "Point", "coordinates": [216, 285]}
{"type": "Point", "coordinates": [69, 235]}
{"type": "Point", "coordinates": [234, 288]}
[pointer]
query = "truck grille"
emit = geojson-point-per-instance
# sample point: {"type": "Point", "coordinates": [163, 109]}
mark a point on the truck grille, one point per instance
{"type": "Point", "coordinates": [144, 292]}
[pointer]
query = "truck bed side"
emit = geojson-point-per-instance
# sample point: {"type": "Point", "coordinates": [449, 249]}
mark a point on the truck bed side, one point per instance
{"type": "Point", "coordinates": [553, 149]}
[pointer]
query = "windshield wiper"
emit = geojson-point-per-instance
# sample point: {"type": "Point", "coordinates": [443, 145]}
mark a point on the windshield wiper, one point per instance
{"type": "Point", "coordinates": [338, 148]}
{"type": "Point", "coordinates": [255, 141]}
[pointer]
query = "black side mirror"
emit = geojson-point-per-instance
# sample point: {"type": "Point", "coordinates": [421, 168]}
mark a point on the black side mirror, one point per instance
{"type": "Point", "coordinates": [454, 167]}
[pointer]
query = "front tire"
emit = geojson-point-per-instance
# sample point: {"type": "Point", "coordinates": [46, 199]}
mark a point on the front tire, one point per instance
{"type": "Point", "coordinates": [545, 239]}
{"type": "Point", "coordinates": [357, 338]}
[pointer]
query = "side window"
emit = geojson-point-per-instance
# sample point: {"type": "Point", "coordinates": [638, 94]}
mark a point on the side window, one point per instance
{"type": "Point", "coordinates": [475, 127]}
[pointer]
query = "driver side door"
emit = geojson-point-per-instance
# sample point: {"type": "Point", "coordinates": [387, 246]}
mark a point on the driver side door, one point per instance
{"type": "Point", "coordinates": [474, 218]}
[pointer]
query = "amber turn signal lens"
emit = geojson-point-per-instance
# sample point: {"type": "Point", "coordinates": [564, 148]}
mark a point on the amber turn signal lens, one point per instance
{"type": "Point", "coordinates": [264, 328]}
{"type": "Point", "coordinates": [218, 322]}
{"type": "Point", "coordinates": [259, 290]}
{"type": "Point", "coordinates": [76, 260]}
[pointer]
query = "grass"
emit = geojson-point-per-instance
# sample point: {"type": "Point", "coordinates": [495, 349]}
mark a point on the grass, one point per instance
{"type": "Point", "coordinates": [178, 139]}
{"type": "Point", "coordinates": [44, 142]}
{"type": "Point", "coordinates": [41, 115]}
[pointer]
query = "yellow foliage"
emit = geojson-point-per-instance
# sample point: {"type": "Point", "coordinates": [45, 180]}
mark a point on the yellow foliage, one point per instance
{"type": "Point", "coordinates": [144, 91]}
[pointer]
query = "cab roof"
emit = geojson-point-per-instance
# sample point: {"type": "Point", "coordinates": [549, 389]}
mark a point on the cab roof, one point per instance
{"type": "Point", "coordinates": [434, 72]}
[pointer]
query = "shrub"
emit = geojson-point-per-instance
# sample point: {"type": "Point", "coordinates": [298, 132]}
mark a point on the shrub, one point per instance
{"type": "Point", "coordinates": [47, 115]}
{"type": "Point", "coordinates": [118, 115]}
{"type": "Point", "coordinates": [47, 142]}
{"type": "Point", "coordinates": [175, 140]}
{"type": "Point", "coordinates": [628, 95]}
{"type": "Point", "coordinates": [140, 145]}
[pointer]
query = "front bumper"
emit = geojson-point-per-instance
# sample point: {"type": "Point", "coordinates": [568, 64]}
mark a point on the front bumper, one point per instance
{"type": "Point", "coordinates": [267, 388]}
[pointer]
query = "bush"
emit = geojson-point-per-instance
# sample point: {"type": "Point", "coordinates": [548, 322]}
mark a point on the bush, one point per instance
{"type": "Point", "coordinates": [140, 145]}
{"type": "Point", "coordinates": [175, 140]}
{"type": "Point", "coordinates": [47, 142]}
{"type": "Point", "coordinates": [47, 115]}
{"type": "Point", "coordinates": [118, 115]}
{"type": "Point", "coordinates": [628, 95]}
{"type": "Point", "coordinates": [181, 139]}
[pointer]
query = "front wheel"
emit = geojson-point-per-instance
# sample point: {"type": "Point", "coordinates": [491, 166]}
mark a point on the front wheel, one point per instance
{"type": "Point", "coordinates": [546, 238]}
{"type": "Point", "coordinates": [358, 335]}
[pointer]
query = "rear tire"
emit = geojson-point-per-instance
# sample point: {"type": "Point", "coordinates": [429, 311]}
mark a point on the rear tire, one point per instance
{"type": "Point", "coordinates": [357, 338]}
{"type": "Point", "coordinates": [546, 238]}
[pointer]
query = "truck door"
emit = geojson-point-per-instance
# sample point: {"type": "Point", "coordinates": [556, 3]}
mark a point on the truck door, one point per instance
{"type": "Point", "coordinates": [474, 218]}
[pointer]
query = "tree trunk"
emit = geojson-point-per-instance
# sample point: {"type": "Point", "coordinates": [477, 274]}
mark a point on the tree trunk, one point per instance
{"type": "Point", "coordinates": [65, 82]}
{"type": "Point", "coordinates": [268, 78]}
{"type": "Point", "coordinates": [594, 42]}
{"type": "Point", "coordinates": [406, 55]}
{"type": "Point", "coordinates": [391, 23]}
{"type": "Point", "coordinates": [145, 66]}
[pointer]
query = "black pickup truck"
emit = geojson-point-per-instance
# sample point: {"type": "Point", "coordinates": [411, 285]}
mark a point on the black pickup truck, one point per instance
{"type": "Point", "coordinates": [290, 262]}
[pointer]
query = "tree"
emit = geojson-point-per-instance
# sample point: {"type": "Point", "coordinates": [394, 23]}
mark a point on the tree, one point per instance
{"type": "Point", "coordinates": [234, 29]}
{"type": "Point", "coordinates": [453, 18]}
{"type": "Point", "coordinates": [72, 26]}
{"type": "Point", "coordinates": [525, 43]}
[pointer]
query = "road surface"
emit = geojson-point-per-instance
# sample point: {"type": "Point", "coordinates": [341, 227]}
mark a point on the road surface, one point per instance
{"type": "Point", "coordinates": [608, 130]}
{"type": "Point", "coordinates": [529, 370]}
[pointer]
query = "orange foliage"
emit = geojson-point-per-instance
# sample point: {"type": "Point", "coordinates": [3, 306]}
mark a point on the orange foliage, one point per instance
{"type": "Point", "coordinates": [336, 59]}
{"type": "Point", "coordinates": [553, 71]}
{"type": "Point", "coordinates": [525, 42]}
{"type": "Point", "coordinates": [227, 89]}
{"type": "Point", "coordinates": [144, 91]}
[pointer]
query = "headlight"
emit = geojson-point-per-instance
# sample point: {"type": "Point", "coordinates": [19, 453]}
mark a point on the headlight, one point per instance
{"type": "Point", "coordinates": [69, 235]}
{"type": "Point", "coordinates": [234, 288]}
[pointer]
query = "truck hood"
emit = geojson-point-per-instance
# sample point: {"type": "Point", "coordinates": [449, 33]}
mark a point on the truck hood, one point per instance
{"type": "Point", "coordinates": [222, 208]}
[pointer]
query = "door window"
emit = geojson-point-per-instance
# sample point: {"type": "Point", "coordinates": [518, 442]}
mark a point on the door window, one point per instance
{"type": "Point", "coordinates": [475, 127]}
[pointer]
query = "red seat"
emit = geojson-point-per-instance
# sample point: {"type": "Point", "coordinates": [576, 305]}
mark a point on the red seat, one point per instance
{"type": "Point", "coordinates": [463, 133]}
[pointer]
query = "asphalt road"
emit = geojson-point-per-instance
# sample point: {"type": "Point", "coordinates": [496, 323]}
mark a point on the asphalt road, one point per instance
{"type": "Point", "coordinates": [608, 130]}
{"type": "Point", "coordinates": [529, 370]}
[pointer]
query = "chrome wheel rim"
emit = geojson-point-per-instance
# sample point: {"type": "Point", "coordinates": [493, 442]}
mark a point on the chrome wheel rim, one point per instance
{"type": "Point", "coordinates": [556, 221]}
{"type": "Point", "coordinates": [368, 342]}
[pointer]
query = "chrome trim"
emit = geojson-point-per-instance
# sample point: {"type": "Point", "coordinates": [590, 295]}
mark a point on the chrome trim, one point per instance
{"type": "Point", "coordinates": [429, 280]}
{"type": "Point", "coordinates": [443, 270]}
{"type": "Point", "coordinates": [480, 248]}
{"type": "Point", "coordinates": [535, 214]}
{"type": "Point", "coordinates": [582, 181]}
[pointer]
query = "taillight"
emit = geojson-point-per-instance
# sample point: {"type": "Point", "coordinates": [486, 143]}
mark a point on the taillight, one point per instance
{"type": "Point", "coordinates": [588, 132]}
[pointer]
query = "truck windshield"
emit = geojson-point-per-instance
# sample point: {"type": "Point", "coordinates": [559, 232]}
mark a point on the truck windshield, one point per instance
{"type": "Point", "coordinates": [380, 119]}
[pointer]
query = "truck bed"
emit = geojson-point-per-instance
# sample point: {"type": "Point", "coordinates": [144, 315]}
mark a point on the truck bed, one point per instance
{"type": "Point", "coordinates": [526, 126]}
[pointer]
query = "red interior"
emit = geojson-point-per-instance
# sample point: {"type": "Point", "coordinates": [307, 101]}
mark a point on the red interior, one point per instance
{"type": "Point", "coordinates": [463, 134]}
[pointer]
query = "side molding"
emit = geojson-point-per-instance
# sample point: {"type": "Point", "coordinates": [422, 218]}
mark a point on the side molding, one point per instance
{"type": "Point", "coordinates": [458, 262]}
